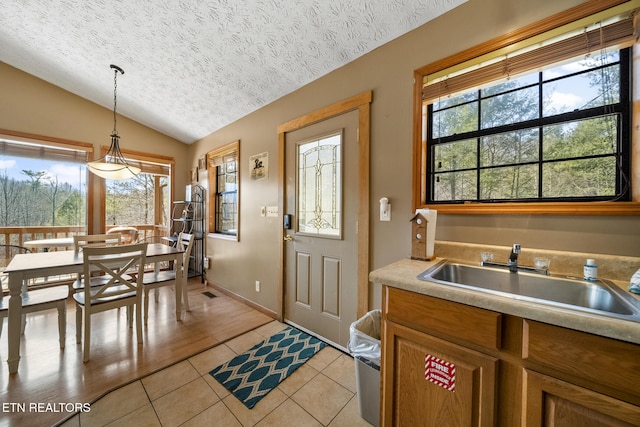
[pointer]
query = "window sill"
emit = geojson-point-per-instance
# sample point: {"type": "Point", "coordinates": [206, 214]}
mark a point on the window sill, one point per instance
{"type": "Point", "coordinates": [553, 208]}
{"type": "Point", "coordinates": [223, 236]}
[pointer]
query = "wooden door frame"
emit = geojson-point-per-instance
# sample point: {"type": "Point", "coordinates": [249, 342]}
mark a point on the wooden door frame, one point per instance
{"type": "Point", "coordinates": [362, 103]}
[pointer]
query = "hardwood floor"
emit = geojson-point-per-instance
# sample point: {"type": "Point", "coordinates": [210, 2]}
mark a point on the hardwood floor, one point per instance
{"type": "Point", "coordinates": [49, 375]}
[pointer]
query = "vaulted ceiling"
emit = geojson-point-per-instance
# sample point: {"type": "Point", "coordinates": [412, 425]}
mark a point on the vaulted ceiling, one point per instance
{"type": "Point", "coordinates": [194, 66]}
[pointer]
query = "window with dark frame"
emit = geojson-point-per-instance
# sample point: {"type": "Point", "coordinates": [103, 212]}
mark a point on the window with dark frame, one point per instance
{"type": "Point", "coordinates": [528, 140]}
{"type": "Point", "coordinates": [227, 198]}
{"type": "Point", "coordinates": [223, 181]}
{"type": "Point", "coordinates": [548, 123]}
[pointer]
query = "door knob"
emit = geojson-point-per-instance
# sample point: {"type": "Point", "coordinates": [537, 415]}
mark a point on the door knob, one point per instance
{"type": "Point", "coordinates": [288, 238]}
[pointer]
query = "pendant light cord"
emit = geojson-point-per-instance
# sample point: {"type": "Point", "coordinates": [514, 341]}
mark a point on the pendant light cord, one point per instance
{"type": "Point", "coordinates": [116, 69]}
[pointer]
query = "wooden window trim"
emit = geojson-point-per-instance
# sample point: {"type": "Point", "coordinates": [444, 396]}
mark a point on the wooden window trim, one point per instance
{"type": "Point", "coordinates": [217, 153]}
{"type": "Point", "coordinates": [543, 208]}
{"type": "Point", "coordinates": [143, 157]}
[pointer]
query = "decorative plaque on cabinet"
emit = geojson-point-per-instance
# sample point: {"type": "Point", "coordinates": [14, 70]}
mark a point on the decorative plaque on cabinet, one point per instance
{"type": "Point", "coordinates": [440, 372]}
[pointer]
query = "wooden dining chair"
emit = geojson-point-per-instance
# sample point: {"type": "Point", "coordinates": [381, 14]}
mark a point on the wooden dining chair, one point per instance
{"type": "Point", "coordinates": [92, 240]}
{"type": "Point", "coordinates": [83, 241]}
{"type": "Point", "coordinates": [159, 278]}
{"type": "Point", "coordinates": [161, 265]}
{"type": "Point", "coordinates": [128, 234]}
{"type": "Point", "coordinates": [112, 288]}
{"type": "Point", "coordinates": [54, 297]}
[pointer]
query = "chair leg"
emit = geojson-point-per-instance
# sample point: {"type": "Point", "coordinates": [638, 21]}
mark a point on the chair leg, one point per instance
{"type": "Point", "coordinates": [62, 322]}
{"type": "Point", "coordinates": [156, 293]}
{"type": "Point", "coordinates": [185, 296]}
{"type": "Point", "coordinates": [87, 335]}
{"type": "Point", "coordinates": [130, 316]}
{"type": "Point", "coordinates": [146, 305]}
{"type": "Point", "coordinates": [78, 324]}
{"type": "Point", "coordinates": [139, 323]}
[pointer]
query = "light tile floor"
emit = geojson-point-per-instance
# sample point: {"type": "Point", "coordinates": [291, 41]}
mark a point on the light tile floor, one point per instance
{"type": "Point", "coordinates": [322, 392]}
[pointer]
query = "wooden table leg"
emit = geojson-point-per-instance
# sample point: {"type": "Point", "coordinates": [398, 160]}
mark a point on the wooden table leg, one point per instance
{"type": "Point", "coordinates": [14, 320]}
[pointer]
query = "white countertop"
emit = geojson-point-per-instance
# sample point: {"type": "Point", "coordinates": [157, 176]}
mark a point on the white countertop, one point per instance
{"type": "Point", "coordinates": [403, 275]}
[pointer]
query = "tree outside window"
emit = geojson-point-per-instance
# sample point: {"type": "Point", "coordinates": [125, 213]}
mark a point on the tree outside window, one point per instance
{"type": "Point", "coordinates": [42, 186]}
{"type": "Point", "coordinates": [558, 134]}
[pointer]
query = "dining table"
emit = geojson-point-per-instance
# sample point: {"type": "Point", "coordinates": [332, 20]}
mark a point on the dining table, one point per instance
{"type": "Point", "coordinates": [42, 264]}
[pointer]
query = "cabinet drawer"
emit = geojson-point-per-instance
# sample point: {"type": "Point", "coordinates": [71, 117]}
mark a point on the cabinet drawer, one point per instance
{"type": "Point", "coordinates": [443, 318]}
{"type": "Point", "coordinates": [590, 359]}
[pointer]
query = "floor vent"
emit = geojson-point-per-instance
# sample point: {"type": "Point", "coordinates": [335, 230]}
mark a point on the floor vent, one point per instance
{"type": "Point", "coordinates": [209, 294]}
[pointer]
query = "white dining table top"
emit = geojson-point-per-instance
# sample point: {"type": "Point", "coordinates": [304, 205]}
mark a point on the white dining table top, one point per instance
{"type": "Point", "coordinates": [44, 260]}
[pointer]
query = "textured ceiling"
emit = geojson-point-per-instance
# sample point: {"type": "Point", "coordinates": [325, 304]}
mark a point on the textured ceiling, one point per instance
{"type": "Point", "coordinates": [194, 66]}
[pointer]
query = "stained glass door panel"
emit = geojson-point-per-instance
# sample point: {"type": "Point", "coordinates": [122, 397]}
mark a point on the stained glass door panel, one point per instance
{"type": "Point", "coordinates": [319, 195]}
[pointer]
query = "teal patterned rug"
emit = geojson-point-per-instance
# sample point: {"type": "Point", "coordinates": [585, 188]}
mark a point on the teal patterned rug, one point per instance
{"type": "Point", "coordinates": [254, 373]}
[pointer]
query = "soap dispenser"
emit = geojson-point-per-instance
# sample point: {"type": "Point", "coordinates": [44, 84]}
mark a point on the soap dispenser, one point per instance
{"type": "Point", "coordinates": [591, 270]}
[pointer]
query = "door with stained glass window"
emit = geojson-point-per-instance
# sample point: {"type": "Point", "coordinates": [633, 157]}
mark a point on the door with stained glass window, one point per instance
{"type": "Point", "coordinates": [321, 251]}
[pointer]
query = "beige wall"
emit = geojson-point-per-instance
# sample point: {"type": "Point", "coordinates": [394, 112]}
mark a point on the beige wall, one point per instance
{"type": "Point", "coordinates": [388, 72]}
{"type": "Point", "coordinates": [31, 105]}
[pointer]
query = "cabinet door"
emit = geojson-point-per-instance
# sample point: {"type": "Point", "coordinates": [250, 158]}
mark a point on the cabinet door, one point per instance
{"type": "Point", "coordinates": [552, 402]}
{"type": "Point", "coordinates": [412, 396]}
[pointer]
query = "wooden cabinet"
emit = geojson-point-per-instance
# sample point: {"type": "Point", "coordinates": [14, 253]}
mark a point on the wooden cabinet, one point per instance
{"type": "Point", "coordinates": [509, 371]}
{"type": "Point", "coordinates": [552, 402]}
{"type": "Point", "coordinates": [463, 389]}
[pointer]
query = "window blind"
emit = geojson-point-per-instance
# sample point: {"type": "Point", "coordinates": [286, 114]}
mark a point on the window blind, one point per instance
{"type": "Point", "coordinates": [618, 34]}
{"type": "Point", "coordinates": [218, 159]}
{"type": "Point", "coordinates": [41, 151]}
{"type": "Point", "coordinates": [150, 168]}
{"type": "Point", "coordinates": [148, 163]}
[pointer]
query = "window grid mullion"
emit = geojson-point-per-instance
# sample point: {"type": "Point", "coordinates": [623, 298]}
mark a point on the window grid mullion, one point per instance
{"type": "Point", "coordinates": [540, 123]}
{"type": "Point", "coordinates": [478, 145]}
{"type": "Point", "coordinates": [540, 134]}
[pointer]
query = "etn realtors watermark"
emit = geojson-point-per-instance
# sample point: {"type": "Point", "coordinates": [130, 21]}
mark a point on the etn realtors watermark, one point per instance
{"type": "Point", "coordinates": [42, 407]}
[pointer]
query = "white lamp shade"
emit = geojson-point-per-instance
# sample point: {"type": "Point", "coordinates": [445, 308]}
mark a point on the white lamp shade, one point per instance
{"type": "Point", "coordinates": [115, 171]}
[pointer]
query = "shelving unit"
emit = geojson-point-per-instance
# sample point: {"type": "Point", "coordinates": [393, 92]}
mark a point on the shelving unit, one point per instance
{"type": "Point", "coordinates": [188, 217]}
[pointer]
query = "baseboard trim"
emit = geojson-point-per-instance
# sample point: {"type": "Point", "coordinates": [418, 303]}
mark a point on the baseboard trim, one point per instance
{"type": "Point", "coordinates": [252, 304]}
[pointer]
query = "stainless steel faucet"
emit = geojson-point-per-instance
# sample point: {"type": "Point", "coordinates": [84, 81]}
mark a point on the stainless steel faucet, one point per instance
{"type": "Point", "coordinates": [512, 263]}
{"type": "Point", "coordinates": [513, 258]}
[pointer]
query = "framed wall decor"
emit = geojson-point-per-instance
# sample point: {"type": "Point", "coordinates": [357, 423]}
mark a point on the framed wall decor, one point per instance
{"type": "Point", "coordinates": [194, 175]}
{"type": "Point", "coordinates": [202, 163]}
{"type": "Point", "coordinates": [259, 166]}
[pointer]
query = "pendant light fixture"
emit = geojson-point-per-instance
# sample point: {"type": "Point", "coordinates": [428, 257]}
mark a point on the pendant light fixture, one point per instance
{"type": "Point", "coordinates": [113, 165]}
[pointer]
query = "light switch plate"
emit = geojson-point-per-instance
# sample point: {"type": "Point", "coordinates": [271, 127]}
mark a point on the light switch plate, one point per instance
{"type": "Point", "coordinates": [272, 211]}
{"type": "Point", "coordinates": [386, 216]}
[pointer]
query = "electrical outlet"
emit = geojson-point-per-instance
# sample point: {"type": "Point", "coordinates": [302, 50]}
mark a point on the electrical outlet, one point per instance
{"type": "Point", "coordinates": [206, 261]}
{"type": "Point", "coordinates": [257, 285]}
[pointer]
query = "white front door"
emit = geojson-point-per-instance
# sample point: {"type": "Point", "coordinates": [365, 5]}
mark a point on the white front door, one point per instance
{"type": "Point", "coordinates": [321, 254]}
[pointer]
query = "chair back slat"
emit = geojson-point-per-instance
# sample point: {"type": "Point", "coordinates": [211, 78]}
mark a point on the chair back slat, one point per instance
{"type": "Point", "coordinates": [90, 240]}
{"type": "Point", "coordinates": [185, 242]}
{"type": "Point", "coordinates": [108, 265]}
